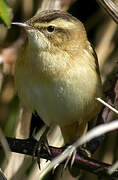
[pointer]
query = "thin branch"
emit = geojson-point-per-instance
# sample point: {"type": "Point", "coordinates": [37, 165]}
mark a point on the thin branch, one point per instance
{"type": "Point", "coordinates": [107, 105]}
{"type": "Point", "coordinates": [2, 176]}
{"type": "Point", "coordinates": [27, 147]}
{"type": "Point", "coordinates": [110, 7]}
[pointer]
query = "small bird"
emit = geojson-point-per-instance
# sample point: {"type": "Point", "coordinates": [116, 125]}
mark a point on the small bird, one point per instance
{"type": "Point", "coordinates": [57, 73]}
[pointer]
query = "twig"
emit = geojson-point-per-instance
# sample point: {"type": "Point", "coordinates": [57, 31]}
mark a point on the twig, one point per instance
{"type": "Point", "coordinates": [110, 7]}
{"type": "Point", "coordinates": [107, 105]}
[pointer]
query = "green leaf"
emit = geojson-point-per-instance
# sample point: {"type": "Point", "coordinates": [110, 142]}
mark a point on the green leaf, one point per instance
{"type": "Point", "coordinates": [5, 12]}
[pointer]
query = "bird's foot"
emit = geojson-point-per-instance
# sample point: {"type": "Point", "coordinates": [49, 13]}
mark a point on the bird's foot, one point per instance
{"type": "Point", "coordinates": [72, 152]}
{"type": "Point", "coordinates": [83, 152]}
{"type": "Point", "coordinates": [42, 144]}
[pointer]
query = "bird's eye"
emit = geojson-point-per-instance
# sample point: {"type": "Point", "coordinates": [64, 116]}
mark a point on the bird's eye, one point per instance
{"type": "Point", "coordinates": [51, 28]}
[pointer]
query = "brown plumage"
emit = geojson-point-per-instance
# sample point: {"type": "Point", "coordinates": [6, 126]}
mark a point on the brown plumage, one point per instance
{"type": "Point", "coordinates": [57, 73]}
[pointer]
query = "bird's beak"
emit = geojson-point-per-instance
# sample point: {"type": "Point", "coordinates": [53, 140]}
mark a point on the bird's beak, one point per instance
{"type": "Point", "coordinates": [24, 25]}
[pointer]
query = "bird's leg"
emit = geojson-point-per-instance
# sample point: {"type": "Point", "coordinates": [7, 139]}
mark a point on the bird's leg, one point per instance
{"type": "Point", "coordinates": [70, 134]}
{"type": "Point", "coordinates": [92, 145]}
{"type": "Point", "coordinates": [42, 143]}
{"type": "Point", "coordinates": [88, 149]}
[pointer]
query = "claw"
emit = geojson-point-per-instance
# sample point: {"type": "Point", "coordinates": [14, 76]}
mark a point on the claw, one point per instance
{"type": "Point", "coordinates": [42, 143]}
{"type": "Point", "coordinates": [70, 157]}
{"type": "Point", "coordinates": [75, 172]}
{"type": "Point", "coordinates": [73, 157]}
{"type": "Point", "coordinates": [47, 147]}
{"type": "Point", "coordinates": [66, 163]}
{"type": "Point", "coordinates": [38, 160]}
{"type": "Point", "coordinates": [54, 168]}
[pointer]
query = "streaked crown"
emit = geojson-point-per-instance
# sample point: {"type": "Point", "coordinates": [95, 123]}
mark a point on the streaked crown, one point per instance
{"type": "Point", "coordinates": [58, 27]}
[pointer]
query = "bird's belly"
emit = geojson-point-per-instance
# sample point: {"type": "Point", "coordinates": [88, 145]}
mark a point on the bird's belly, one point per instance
{"type": "Point", "coordinates": [60, 99]}
{"type": "Point", "coordinates": [54, 105]}
{"type": "Point", "coordinates": [57, 104]}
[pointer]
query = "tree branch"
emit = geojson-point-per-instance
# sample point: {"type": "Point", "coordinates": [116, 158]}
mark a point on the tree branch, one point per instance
{"type": "Point", "coordinates": [27, 146]}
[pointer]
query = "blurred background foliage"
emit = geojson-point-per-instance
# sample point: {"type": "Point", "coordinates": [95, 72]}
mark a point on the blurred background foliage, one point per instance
{"type": "Point", "coordinates": [5, 12]}
{"type": "Point", "coordinates": [102, 33]}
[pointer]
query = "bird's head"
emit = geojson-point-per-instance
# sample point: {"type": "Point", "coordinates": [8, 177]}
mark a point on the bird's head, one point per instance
{"type": "Point", "coordinates": [54, 29]}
